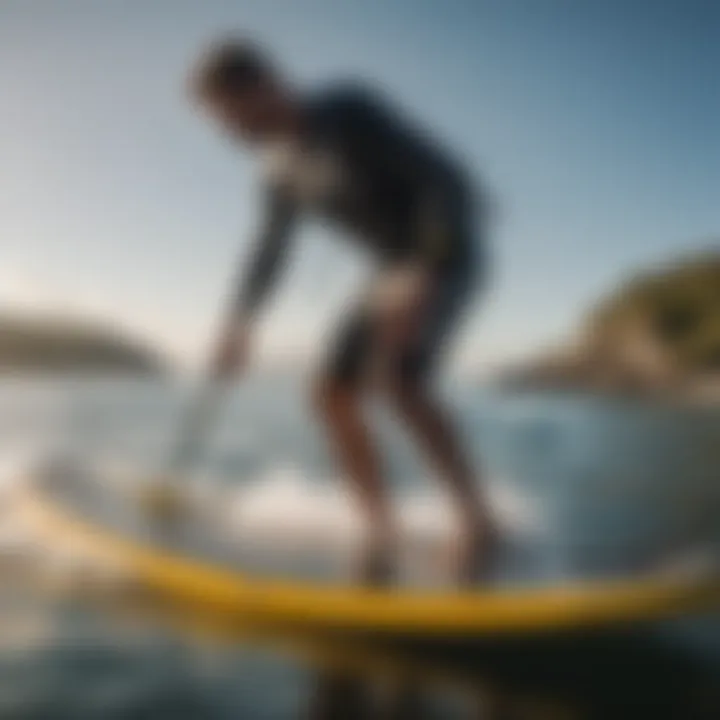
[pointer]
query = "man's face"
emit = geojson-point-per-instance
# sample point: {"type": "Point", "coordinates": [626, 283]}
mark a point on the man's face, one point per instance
{"type": "Point", "coordinates": [251, 115]}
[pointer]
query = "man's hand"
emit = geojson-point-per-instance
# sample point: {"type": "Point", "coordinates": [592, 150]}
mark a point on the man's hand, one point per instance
{"type": "Point", "coordinates": [232, 352]}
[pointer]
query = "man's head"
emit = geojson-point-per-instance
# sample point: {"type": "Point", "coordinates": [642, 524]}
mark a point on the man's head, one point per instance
{"type": "Point", "coordinates": [242, 90]}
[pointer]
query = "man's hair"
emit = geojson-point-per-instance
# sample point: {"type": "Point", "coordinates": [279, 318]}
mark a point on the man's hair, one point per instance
{"type": "Point", "coordinates": [230, 67]}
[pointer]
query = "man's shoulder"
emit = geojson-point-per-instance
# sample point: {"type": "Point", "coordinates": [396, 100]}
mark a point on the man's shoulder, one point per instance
{"type": "Point", "coordinates": [345, 99]}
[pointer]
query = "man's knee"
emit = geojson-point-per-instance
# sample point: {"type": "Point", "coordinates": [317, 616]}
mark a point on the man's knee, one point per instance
{"type": "Point", "coordinates": [333, 400]}
{"type": "Point", "coordinates": [405, 396]}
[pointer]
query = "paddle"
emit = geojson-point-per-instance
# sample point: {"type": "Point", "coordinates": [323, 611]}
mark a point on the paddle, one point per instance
{"type": "Point", "coordinates": [195, 428]}
{"type": "Point", "coordinates": [166, 496]}
{"type": "Point", "coordinates": [165, 499]}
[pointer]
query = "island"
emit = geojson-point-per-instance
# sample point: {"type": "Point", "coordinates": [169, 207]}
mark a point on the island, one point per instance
{"type": "Point", "coordinates": [46, 344]}
{"type": "Point", "coordinates": [658, 333]}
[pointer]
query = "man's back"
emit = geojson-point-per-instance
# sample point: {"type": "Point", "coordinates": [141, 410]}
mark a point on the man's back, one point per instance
{"type": "Point", "coordinates": [360, 162]}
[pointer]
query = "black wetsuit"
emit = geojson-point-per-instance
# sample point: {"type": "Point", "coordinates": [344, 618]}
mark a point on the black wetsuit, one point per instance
{"type": "Point", "coordinates": [359, 163]}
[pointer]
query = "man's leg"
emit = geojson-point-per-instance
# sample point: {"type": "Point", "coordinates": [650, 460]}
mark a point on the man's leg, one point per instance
{"type": "Point", "coordinates": [339, 395]}
{"type": "Point", "coordinates": [409, 388]}
{"type": "Point", "coordinates": [338, 401]}
{"type": "Point", "coordinates": [340, 408]}
{"type": "Point", "coordinates": [430, 424]}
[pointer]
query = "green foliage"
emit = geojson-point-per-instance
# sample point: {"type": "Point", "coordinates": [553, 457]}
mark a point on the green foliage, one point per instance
{"type": "Point", "coordinates": [60, 345]}
{"type": "Point", "coordinates": [680, 305]}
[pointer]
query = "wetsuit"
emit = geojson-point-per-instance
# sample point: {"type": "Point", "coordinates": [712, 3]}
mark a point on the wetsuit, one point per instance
{"type": "Point", "coordinates": [358, 163]}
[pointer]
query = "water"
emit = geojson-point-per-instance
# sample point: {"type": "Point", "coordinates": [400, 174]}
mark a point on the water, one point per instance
{"type": "Point", "coordinates": [596, 486]}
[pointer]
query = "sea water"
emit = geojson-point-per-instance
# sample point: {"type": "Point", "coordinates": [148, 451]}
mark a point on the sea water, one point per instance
{"type": "Point", "coordinates": [598, 486]}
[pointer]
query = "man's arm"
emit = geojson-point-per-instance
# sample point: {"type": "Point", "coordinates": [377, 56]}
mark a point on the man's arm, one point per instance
{"type": "Point", "coordinates": [256, 282]}
{"type": "Point", "coordinates": [267, 257]}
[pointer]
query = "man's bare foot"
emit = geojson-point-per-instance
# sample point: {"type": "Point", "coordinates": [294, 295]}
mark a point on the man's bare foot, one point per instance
{"type": "Point", "coordinates": [376, 566]}
{"type": "Point", "coordinates": [476, 557]}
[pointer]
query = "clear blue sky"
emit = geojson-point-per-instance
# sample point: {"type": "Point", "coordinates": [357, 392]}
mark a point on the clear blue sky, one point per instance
{"type": "Point", "coordinates": [594, 122]}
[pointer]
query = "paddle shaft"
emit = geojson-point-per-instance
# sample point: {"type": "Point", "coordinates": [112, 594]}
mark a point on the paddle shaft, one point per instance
{"type": "Point", "coordinates": [202, 415]}
{"type": "Point", "coordinates": [195, 429]}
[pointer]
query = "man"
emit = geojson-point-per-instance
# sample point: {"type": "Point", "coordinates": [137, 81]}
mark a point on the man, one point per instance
{"type": "Point", "coordinates": [344, 156]}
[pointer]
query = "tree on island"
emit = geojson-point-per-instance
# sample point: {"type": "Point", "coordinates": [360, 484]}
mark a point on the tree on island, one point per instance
{"type": "Point", "coordinates": [659, 331]}
{"type": "Point", "coordinates": [46, 344]}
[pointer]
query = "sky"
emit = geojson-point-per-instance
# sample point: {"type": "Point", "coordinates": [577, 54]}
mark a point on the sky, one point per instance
{"type": "Point", "coordinates": [593, 123]}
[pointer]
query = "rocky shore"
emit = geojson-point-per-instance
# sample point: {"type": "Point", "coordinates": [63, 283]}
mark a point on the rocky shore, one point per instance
{"type": "Point", "coordinates": [48, 344]}
{"type": "Point", "coordinates": [657, 334]}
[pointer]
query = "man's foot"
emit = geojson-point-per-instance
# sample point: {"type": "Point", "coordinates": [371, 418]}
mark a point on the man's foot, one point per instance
{"type": "Point", "coordinates": [376, 566]}
{"type": "Point", "coordinates": [476, 558]}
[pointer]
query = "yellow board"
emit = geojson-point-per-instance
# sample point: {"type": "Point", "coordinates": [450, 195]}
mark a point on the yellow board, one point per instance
{"type": "Point", "coordinates": [441, 614]}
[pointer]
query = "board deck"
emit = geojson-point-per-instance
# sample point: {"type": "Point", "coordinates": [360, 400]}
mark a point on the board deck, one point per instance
{"type": "Point", "coordinates": [208, 582]}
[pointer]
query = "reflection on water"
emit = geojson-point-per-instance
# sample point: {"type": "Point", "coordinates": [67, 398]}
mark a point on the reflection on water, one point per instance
{"type": "Point", "coordinates": [596, 484]}
{"type": "Point", "coordinates": [70, 656]}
